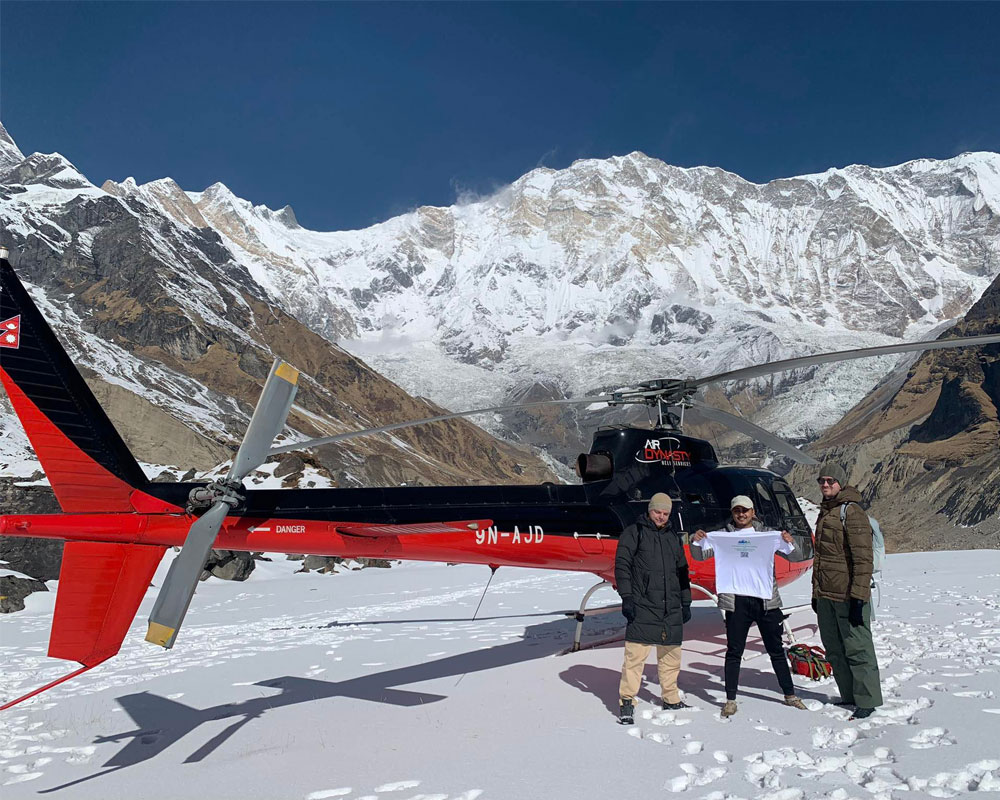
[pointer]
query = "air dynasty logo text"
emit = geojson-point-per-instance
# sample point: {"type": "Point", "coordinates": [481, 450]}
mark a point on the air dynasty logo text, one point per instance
{"type": "Point", "coordinates": [653, 452]}
{"type": "Point", "coordinates": [533, 535]}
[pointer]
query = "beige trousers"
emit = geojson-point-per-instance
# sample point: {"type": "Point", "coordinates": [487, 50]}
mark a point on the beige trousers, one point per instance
{"type": "Point", "coordinates": [668, 664]}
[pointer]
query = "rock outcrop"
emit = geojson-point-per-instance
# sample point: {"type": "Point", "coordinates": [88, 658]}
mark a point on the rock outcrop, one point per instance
{"type": "Point", "coordinates": [924, 447]}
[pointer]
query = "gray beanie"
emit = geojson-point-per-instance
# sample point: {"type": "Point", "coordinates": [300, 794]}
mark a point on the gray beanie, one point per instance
{"type": "Point", "coordinates": [831, 470]}
{"type": "Point", "coordinates": [660, 502]}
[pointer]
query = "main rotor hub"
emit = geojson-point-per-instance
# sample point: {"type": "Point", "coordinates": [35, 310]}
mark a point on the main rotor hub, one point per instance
{"type": "Point", "coordinates": [663, 391]}
{"type": "Point", "coordinates": [203, 498]}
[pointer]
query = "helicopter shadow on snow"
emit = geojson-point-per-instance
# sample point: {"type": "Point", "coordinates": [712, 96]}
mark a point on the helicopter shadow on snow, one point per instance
{"type": "Point", "coordinates": [161, 722]}
{"type": "Point", "coordinates": [698, 679]}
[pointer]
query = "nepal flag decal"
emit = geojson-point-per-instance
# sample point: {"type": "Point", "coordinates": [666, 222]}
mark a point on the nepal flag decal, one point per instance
{"type": "Point", "coordinates": [10, 332]}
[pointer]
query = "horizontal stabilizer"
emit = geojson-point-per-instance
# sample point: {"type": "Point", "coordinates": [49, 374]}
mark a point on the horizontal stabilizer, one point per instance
{"type": "Point", "coordinates": [375, 531]}
{"type": "Point", "coordinates": [100, 587]}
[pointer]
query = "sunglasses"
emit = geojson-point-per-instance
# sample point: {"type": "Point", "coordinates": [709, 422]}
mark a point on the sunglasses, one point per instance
{"type": "Point", "coordinates": [739, 510]}
{"type": "Point", "coordinates": [823, 481]}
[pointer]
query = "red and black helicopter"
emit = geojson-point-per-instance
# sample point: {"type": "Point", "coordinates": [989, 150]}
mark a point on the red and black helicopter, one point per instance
{"type": "Point", "coordinates": [117, 524]}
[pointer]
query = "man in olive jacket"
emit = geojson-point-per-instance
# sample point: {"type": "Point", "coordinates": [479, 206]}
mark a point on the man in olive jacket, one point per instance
{"type": "Point", "coordinates": [842, 576]}
{"type": "Point", "coordinates": [651, 575]}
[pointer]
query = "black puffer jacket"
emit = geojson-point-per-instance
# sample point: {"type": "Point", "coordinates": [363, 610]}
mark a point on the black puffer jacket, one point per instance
{"type": "Point", "coordinates": [650, 567]}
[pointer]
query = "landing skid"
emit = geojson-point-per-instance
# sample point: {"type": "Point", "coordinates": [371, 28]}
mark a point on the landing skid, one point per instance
{"type": "Point", "coordinates": [583, 613]}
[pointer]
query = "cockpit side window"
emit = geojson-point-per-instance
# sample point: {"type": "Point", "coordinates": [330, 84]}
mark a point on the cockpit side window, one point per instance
{"type": "Point", "coordinates": [767, 509]}
{"type": "Point", "coordinates": [794, 520]}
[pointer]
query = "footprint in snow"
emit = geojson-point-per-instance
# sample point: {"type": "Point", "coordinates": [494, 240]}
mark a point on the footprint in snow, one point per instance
{"type": "Point", "coordinates": [397, 786]}
{"type": "Point", "coordinates": [23, 778]}
{"type": "Point", "coordinates": [776, 731]}
{"type": "Point", "coordinates": [694, 777]}
{"type": "Point", "coordinates": [669, 718]}
{"type": "Point", "coordinates": [783, 794]}
{"type": "Point", "coordinates": [897, 713]}
{"type": "Point", "coordinates": [828, 738]}
{"type": "Point", "coordinates": [930, 737]}
{"type": "Point", "coordinates": [837, 712]}
{"type": "Point", "coordinates": [982, 776]}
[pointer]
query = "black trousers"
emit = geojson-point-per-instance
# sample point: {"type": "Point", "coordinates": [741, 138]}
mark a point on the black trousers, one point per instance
{"type": "Point", "coordinates": [748, 611]}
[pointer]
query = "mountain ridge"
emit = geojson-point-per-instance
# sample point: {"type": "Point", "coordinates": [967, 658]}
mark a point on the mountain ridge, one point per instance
{"type": "Point", "coordinates": [608, 272]}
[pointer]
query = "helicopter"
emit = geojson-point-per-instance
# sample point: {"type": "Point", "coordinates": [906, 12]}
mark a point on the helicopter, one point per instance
{"type": "Point", "coordinates": [117, 524]}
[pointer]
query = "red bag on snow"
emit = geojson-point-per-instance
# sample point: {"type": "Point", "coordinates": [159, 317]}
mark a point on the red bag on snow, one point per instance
{"type": "Point", "coordinates": [809, 660]}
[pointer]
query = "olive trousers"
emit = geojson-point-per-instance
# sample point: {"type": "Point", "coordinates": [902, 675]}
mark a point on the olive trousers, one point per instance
{"type": "Point", "coordinates": [668, 664]}
{"type": "Point", "coordinates": [851, 653]}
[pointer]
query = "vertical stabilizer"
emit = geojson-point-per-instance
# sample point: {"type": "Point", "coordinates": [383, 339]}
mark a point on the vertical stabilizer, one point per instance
{"type": "Point", "coordinates": [85, 459]}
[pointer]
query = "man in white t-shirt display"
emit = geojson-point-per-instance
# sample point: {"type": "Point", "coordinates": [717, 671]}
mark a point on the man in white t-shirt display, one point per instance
{"type": "Point", "coordinates": [747, 592]}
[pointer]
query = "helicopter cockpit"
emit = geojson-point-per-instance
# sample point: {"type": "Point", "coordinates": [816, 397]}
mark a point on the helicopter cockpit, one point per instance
{"type": "Point", "coordinates": [627, 465]}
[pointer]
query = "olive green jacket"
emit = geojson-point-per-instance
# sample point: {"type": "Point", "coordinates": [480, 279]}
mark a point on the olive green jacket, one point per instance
{"type": "Point", "coordinates": [842, 564]}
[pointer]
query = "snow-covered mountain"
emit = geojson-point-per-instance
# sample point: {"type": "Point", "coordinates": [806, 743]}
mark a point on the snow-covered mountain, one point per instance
{"type": "Point", "coordinates": [602, 274]}
{"type": "Point", "coordinates": [176, 338]}
{"type": "Point", "coordinates": [624, 269]}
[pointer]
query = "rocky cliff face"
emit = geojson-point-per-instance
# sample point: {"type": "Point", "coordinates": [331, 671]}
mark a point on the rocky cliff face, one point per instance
{"type": "Point", "coordinates": [925, 446]}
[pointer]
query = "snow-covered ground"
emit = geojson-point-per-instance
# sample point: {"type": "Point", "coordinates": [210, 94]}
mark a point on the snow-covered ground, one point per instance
{"type": "Point", "coordinates": [377, 684]}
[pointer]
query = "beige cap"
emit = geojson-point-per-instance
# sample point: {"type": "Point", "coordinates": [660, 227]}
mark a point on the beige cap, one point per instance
{"type": "Point", "coordinates": [740, 500]}
{"type": "Point", "coordinates": [660, 502]}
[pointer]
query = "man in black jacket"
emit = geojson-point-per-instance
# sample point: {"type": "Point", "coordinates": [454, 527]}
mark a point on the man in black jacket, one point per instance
{"type": "Point", "coordinates": [651, 575]}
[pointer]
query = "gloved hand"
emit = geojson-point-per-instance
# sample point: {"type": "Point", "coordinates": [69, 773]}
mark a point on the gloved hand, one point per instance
{"type": "Point", "coordinates": [628, 608]}
{"type": "Point", "coordinates": [686, 613]}
{"type": "Point", "coordinates": [814, 605]}
{"type": "Point", "coordinates": [855, 614]}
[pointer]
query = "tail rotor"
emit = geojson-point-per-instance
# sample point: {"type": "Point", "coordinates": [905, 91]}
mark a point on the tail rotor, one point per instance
{"type": "Point", "coordinates": [222, 497]}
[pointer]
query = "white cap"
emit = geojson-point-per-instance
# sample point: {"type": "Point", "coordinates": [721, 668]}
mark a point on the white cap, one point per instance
{"type": "Point", "coordinates": [742, 501]}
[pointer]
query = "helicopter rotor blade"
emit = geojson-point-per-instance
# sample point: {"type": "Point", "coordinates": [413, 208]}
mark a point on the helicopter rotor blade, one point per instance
{"type": "Point", "coordinates": [178, 588]}
{"type": "Point", "coordinates": [268, 419]}
{"type": "Point", "coordinates": [776, 443]}
{"type": "Point", "coordinates": [684, 388]}
{"type": "Point", "coordinates": [343, 437]}
{"type": "Point", "coordinates": [843, 355]}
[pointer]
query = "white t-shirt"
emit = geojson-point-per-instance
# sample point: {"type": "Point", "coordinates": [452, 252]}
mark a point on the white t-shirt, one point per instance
{"type": "Point", "coordinates": [744, 560]}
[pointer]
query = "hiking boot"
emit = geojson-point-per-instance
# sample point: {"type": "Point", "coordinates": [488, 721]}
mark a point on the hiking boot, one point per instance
{"type": "Point", "coordinates": [729, 709]}
{"type": "Point", "coordinates": [794, 702]}
{"type": "Point", "coordinates": [626, 713]}
{"type": "Point", "coordinates": [862, 713]}
{"type": "Point", "coordinates": [675, 706]}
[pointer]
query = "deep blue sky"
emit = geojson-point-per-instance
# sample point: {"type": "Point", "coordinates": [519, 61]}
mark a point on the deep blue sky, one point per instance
{"type": "Point", "coordinates": [354, 113]}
